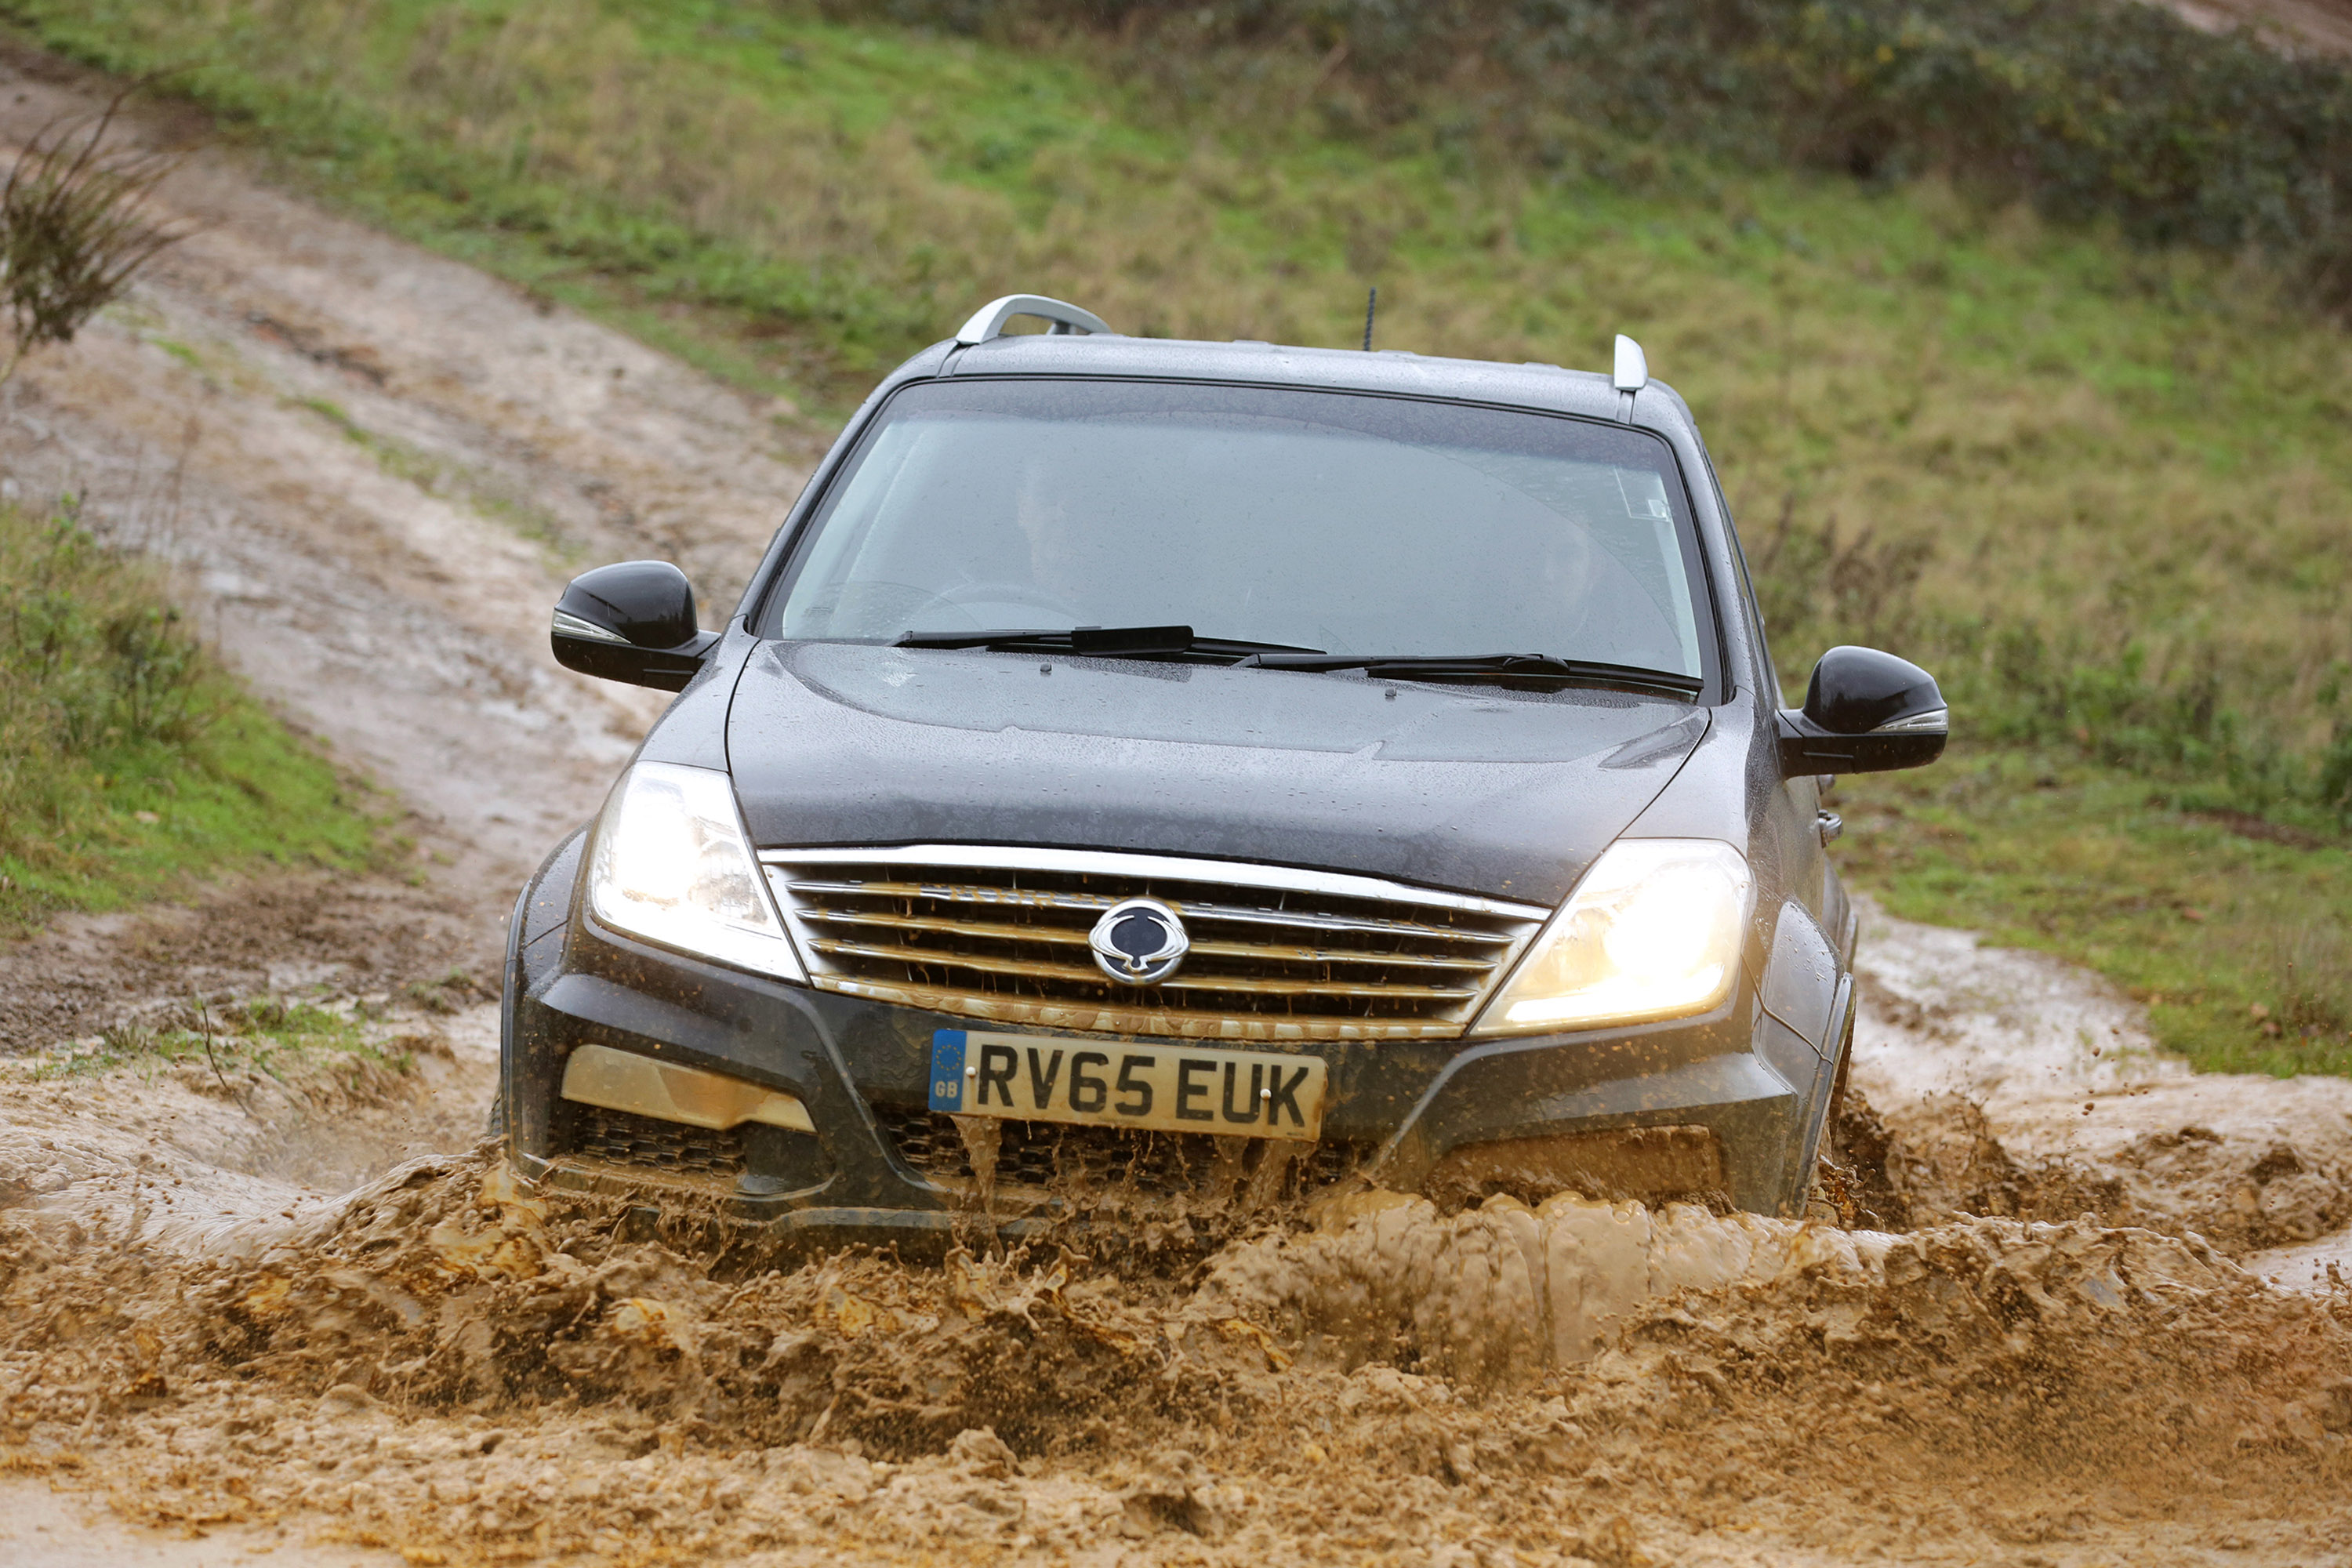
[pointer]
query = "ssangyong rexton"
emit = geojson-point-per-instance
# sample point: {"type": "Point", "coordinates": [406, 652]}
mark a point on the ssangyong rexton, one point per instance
{"type": "Point", "coordinates": [1200, 770]}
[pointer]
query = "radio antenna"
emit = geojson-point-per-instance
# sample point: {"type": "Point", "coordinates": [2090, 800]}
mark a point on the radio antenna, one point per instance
{"type": "Point", "coordinates": [1371, 303]}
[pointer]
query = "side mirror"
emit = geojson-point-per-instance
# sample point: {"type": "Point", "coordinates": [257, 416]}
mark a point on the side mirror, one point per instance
{"type": "Point", "coordinates": [633, 622]}
{"type": "Point", "coordinates": [1865, 713]}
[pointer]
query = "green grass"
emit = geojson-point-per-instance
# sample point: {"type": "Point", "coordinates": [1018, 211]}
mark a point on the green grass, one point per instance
{"type": "Point", "coordinates": [2080, 455]}
{"type": "Point", "coordinates": [2236, 935]}
{"type": "Point", "coordinates": [269, 1036]}
{"type": "Point", "coordinates": [129, 762]}
{"type": "Point", "coordinates": [2100, 490]}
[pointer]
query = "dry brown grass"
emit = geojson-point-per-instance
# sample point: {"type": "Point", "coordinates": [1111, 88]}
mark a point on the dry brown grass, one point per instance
{"type": "Point", "coordinates": [75, 229]}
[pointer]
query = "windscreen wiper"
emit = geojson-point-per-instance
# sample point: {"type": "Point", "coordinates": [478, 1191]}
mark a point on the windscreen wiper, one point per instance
{"type": "Point", "coordinates": [1106, 641]}
{"type": "Point", "coordinates": [1539, 669]}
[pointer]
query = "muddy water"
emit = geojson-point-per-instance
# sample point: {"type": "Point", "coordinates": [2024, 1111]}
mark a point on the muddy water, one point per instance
{"type": "Point", "coordinates": [200, 1340]}
{"type": "Point", "coordinates": [2037, 1347]}
{"type": "Point", "coordinates": [2011, 1083]}
{"type": "Point", "coordinates": [445, 1363]}
{"type": "Point", "coordinates": [444, 1366]}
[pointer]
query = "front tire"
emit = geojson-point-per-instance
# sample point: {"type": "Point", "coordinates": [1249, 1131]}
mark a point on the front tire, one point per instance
{"type": "Point", "coordinates": [1832, 1147]}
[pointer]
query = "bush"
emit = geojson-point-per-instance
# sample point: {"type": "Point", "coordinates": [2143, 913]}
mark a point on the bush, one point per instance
{"type": "Point", "coordinates": [2335, 774]}
{"type": "Point", "coordinates": [73, 229]}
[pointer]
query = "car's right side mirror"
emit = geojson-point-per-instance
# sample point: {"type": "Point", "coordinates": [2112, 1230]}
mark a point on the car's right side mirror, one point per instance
{"type": "Point", "coordinates": [1865, 713]}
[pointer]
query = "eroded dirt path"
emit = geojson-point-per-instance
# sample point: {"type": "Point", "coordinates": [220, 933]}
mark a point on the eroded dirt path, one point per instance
{"type": "Point", "coordinates": [378, 467]}
{"type": "Point", "coordinates": [305, 1316]}
{"type": "Point", "coordinates": [375, 469]}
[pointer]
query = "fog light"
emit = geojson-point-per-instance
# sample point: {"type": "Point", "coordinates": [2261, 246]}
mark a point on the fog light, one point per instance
{"type": "Point", "coordinates": [623, 1081]}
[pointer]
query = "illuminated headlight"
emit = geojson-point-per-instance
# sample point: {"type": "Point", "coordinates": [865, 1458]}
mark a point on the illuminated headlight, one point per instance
{"type": "Point", "coordinates": [1652, 932]}
{"type": "Point", "coordinates": [672, 864]}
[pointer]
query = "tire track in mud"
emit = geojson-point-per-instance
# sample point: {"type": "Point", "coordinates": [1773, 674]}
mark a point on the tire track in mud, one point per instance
{"type": "Point", "coordinates": [377, 466]}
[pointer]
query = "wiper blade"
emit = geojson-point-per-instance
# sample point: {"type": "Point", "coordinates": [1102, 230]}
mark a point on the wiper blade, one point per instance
{"type": "Point", "coordinates": [1110, 641]}
{"type": "Point", "coordinates": [1529, 666]}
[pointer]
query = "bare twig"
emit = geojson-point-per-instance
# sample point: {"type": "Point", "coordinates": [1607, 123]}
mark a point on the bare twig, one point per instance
{"type": "Point", "coordinates": [74, 228]}
{"type": "Point", "coordinates": [205, 1022]}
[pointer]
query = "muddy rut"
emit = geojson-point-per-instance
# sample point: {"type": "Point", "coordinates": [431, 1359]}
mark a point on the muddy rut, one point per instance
{"type": "Point", "coordinates": [2064, 1302]}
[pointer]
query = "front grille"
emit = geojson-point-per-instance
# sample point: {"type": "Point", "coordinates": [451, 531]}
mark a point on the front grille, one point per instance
{"type": "Point", "coordinates": [624, 1138]}
{"type": "Point", "coordinates": [1053, 1154]}
{"type": "Point", "coordinates": [1277, 954]}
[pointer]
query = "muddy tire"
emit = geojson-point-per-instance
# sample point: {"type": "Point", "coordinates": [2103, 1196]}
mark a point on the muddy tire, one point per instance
{"type": "Point", "coordinates": [1830, 1196]}
{"type": "Point", "coordinates": [495, 1127]}
{"type": "Point", "coordinates": [1832, 1146]}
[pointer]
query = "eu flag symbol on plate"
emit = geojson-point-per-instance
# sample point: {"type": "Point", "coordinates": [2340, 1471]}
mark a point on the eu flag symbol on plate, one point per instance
{"type": "Point", "coordinates": [947, 1069]}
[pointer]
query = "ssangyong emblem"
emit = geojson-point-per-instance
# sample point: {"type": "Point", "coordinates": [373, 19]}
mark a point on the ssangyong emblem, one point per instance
{"type": "Point", "coordinates": [1138, 942]}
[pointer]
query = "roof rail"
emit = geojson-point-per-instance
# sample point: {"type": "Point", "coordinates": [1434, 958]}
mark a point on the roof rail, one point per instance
{"type": "Point", "coordinates": [1633, 366]}
{"type": "Point", "coordinates": [988, 321]}
{"type": "Point", "coordinates": [1631, 374]}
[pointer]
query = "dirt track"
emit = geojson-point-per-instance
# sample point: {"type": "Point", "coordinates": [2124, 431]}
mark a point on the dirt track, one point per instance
{"type": "Point", "coordinates": [2048, 1354]}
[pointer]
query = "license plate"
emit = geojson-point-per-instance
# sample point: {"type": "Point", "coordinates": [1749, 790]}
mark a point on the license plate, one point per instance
{"type": "Point", "coordinates": [1161, 1088]}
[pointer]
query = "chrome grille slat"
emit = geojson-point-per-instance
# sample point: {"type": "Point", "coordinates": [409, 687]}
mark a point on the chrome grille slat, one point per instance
{"type": "Point", "coordinates": [1192, 909]}
{"type": "Point", "coordinates": [1187, 981]}
{"type": "Point", "coordinates": [1278, 954]}
{"type": "Point", "coordinates": [1071, 937]}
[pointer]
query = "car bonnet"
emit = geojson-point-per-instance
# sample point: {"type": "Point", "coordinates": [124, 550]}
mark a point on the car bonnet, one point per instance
{"type": "Point", "coordinates": [1507, 794]}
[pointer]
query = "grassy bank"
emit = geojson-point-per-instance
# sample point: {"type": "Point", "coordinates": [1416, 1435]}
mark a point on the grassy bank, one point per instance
{"type": "Point", "coordinates": [2111, 108]}
{"type": "Point", "coordinates": [2039, 450]}
{"type": "Point", "coordinates": [129, 762]}
{"type": "Point", "coordinates": [2100, 488]}
{"type": "Point", "coordinates": [2234, 930]}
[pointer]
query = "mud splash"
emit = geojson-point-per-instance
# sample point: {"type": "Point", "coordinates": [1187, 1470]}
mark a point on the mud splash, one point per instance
{"type": "Point", "coordinates": [2011, 1083]}
{"type": "Point", "coordinates": [452, 1365]}
{"type": "Point", "coordinates": [1486, 1297]}
{"type": "Point", "coordinates": [173, 1154]}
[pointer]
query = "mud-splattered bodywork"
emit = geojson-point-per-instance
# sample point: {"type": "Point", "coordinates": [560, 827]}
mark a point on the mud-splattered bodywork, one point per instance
{"type": "Point", "coordinates": [1463, 790]}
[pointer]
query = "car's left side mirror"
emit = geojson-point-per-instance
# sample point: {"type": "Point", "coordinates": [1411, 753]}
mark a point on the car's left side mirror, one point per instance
{"type": "Point", "coordinates": [633, 622]}
{"type": "Point", "coordinates": [1865, 713]}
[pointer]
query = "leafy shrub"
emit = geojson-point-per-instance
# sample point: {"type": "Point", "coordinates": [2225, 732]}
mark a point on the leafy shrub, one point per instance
{"type": "Point", "coordinates": [2335, 774]}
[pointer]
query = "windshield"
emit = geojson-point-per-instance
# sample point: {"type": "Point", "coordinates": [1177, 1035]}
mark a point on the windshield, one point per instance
{"type": "Point", "coordinates": [1343, 523]}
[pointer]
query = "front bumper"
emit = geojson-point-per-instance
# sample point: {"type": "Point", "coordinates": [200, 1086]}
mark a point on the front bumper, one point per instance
{"type": "Point", "coordinates": [861, 1069]}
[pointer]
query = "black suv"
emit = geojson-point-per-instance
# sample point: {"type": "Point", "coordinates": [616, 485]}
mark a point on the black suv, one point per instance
{"type": "Point", "coordinates": [1194, 772]}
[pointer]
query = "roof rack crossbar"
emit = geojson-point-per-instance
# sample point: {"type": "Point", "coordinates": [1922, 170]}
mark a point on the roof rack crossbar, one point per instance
{"type": "Point", "coordinates": [988, 321]}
